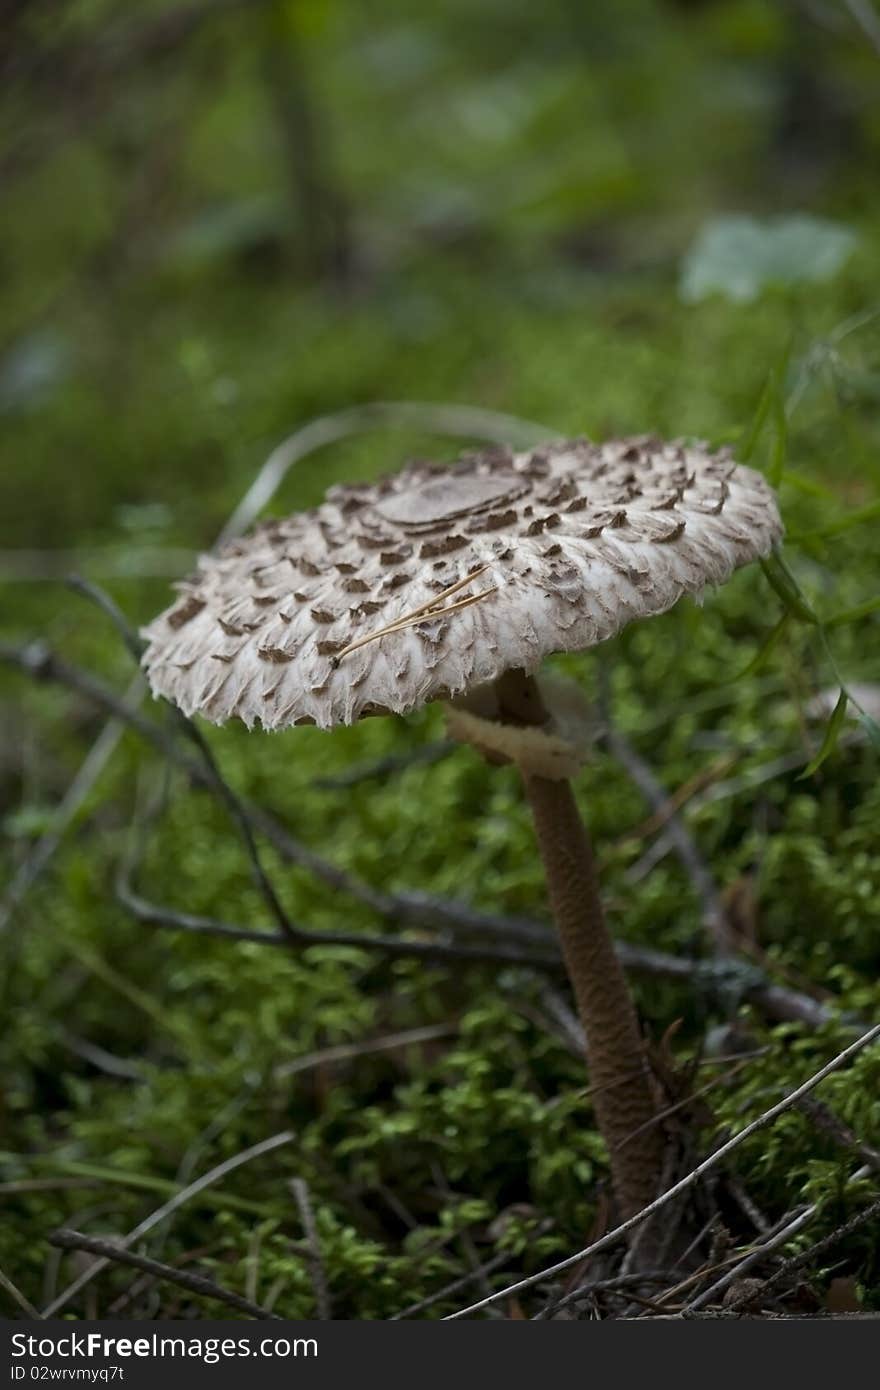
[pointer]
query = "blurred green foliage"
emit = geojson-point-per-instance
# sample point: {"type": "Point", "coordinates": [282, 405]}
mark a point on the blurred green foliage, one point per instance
{"type": "Point", "coordinates": [215, 232]}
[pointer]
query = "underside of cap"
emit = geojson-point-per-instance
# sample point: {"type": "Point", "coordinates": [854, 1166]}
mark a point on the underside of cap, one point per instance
{"type": "Point", "coordinates": [439, 579]}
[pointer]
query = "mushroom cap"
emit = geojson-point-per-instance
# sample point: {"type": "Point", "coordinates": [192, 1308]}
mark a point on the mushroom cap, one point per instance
{"type": "Point", "coordinates": [438, 579]}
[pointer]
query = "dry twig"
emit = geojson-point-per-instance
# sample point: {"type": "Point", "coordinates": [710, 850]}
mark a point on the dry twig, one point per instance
{"type": "Point", "coordinates": [173, 1204]}
{"type": "Point", "coordinates": [690, 1179]}
{"type": "Point", "coordinates": [472, 1276]}
{"type": "Point", "coordinates": [18, 1297]}
{"type": "Point", "coordinates": [682, 841]}
{"type": "Point", "coordinates": [611, 1285]}
{"type": "Point", "coordinates": [39, 858]}
{"type": "Point", "coordinates": [300, 1190]}
{"type": "Point", "coordinates": [752, 1257]}
{"type": "Point", "coordinates": [806, 1259]}
{"type": "Point", "coordinates": [824, 1118]}
{"type": "Point", "coordinates": [345, 1052]}
{"type": "Point", "coordinates": [386, 767]}
{"type": "Point", "coordinates": [112, 1252]}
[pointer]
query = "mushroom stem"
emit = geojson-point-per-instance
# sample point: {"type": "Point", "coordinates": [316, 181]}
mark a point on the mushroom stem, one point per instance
{"type": "Point", "coordinates": [624, 1100]}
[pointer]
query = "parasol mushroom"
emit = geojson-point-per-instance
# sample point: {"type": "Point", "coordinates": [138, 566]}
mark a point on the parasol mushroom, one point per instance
{"type": "Point", "coordinates": [453, 583]}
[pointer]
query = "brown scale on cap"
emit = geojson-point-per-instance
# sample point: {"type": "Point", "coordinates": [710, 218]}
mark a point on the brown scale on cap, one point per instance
{"type": "Point", "coordinates": [551, 550]}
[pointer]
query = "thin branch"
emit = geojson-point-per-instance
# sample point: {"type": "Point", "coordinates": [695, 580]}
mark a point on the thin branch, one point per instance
{"type": "Point", "coordinates": [690, 1179]}
{"type": "Point", "coordinates": [758, 1253]}
{"type": "Point", "coordinates": [562, 1016]}
{"type": "Point", "coordinates": [18, 1297]}
{"type": "Point", "coordinates": [748, 781]}
{"type": "Point", "coordinates": [455, 1287]}
{"type": "Point", "coordinates": [619, 1281]}
{"type": "Point", "coordinates": [757, 776]}
{"type": "Point", "coordinates": [777, 1235]}
{"type": "Point", "coordinates": [39, 858]}
{"type": "Point", "coordinates": [346, 1052]}
{"type": "Point", "coordinates": [824, 1118]}
{"type": "Point", "coordinates": [110, 608]}
{"type": "Point", "coordinates": [791, 1005]}
{"type": "Point", "coordinates": [447, 951]}
{"type": "Point", "coordinates": [676, 800]}
{"type": "Point", "coordinates": [37, 660]}
{"type": "Point", "coordinates": [386, 767]}
{"type": "Point", "coordinates": [168, 1208]}
{"type": "Point", "coordinates": [776, 1001]}
{"type": "Point", "coordinates": [240, 818]}
{"type": "Point", "coordinates": [679, 837]}
{"type": "Point", "coordinates": [746, 1204]}
{"type": "Point", "coordinates": [702, 1273]}
{"type": "Point", "coordinates": [113, 1252]}
{"type": "Point", "coordinates": [807, 1258]}
{"type": "Point", "coordinates": [99, 1058]}
{"type": "Point", "coordinates": [688, 1100]}
{"type": "Point", "coordinates": [300, 1190]}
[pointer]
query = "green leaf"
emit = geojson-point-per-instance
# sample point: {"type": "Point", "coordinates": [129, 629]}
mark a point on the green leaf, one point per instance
{"type": "Point", "coordinates": [852, 615]}
{"type": "Point", "coordinates": [147, 1182]}
{"type": "Point", "coordinates": [768, 646]}
{"type": "Point", "coordinates": [771, 402]}
{"type": "Point", "coordinates": [832, 733]}
{"type": "Point", "coordinates": [783, 582]}
{"type": "Point", "coordinates": [809, 486]}
{"type": "Point", "coordinates": [763, 410]}
{"type": "Point", "coordinates": [779, 451]}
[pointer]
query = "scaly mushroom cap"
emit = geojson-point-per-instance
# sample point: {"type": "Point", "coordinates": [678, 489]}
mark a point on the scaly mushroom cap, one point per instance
{"type": "Point", "coordinates": [438, 579]}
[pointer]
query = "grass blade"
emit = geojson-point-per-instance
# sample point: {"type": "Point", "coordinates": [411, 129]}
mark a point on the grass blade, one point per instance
{"type": "Point", "coordinates": [832, 733]}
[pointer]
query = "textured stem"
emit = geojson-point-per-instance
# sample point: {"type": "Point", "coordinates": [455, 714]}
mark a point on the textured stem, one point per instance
{"type": "Point", "coordinates": [621, 1090]}
{"type": "Point", "coordinates": [622, 1093]}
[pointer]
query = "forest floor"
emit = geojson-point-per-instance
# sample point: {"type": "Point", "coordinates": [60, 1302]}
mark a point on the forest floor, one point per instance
{"type": "Point", "coordinates": [396, 1123]}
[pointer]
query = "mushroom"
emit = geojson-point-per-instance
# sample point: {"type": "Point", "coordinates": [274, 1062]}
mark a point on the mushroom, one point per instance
{"type": "Point", "coordinates": [453, 583]}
